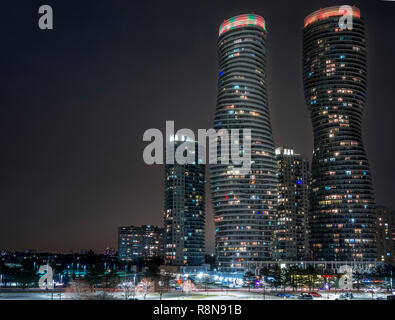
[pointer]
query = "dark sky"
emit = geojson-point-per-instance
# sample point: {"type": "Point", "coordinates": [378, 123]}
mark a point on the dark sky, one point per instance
{"type": "Point", "coordinates": [75, 102]}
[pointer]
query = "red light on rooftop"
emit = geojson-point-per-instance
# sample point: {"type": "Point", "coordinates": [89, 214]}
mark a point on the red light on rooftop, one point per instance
{"type": "Point", "coordinates": [242, 20]}
{"type": "Point", "coordinates": [328, 13]}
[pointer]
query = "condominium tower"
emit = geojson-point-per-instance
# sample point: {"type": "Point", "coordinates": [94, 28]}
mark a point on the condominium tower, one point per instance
{"type": "Point", "coordinates": [139, 243]}
{"type": "Point", "coordinates": [184, 216]}
{"type": "Point", "coordinates": [244, 202]}
{"type": "Point", "coordinates": [291, 226]}
{"type": "Point", "coordinates": [385, 235]}
{"type": "Point", "coordinates": [334, 72]}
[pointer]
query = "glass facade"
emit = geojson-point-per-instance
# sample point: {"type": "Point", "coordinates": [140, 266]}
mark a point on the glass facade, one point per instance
{"type": "Point", "coordinates": [244, 203]}
{"type": "Point", "coordinates": [291, 230]}
{"type": "Point", "coordinates": [385, 235]}
{"type": "Point", "coordinates": [334, 72]}
{"type": "Point", "coordinates": [184, 217]}
{"type": "Point", "coordinates": [136, 244]}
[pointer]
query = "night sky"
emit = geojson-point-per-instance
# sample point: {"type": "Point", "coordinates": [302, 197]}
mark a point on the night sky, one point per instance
{"type": "Point", "coordinates": [76, 100]}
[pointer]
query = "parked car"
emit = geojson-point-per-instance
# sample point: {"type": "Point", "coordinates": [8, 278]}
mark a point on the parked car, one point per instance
{"type": "Point", "coordinates": [346, 296]}
{"type": "Point", "coordinates": [306, 297]}
{"type": "Point", "coordinates": [315, 294]}
{"type": "Point", "coordinates": [283, 295]}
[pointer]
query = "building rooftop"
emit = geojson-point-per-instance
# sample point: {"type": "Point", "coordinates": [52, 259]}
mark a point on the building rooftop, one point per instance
{"type": "Point", "coordinates": [242, 20]}
{"type": "Point", "coordinates": [328, 13]}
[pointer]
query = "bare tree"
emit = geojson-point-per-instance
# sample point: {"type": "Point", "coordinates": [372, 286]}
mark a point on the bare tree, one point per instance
{"type": "Point", "coordinates": [145, 286]}
{"type": "Point", "coordinates": [80, 290]}
{"type": "Point", "coordinates": [188, 286]}
{"type": "Point", "coordinates": [128, 289]}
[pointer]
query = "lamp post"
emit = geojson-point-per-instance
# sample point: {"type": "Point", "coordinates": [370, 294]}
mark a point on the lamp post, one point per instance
{"type": "Point", "coordinates": [206, 283]}
{"type": "Point", "coordinates": [327, 288]}
{"type": "Point", "coordinates": [53, 288]}
{"type": "Point", "coordinates": [264, 292]}
{"type": "Point", "coordinates": [160, 283]}
{"type": "Point", "coordinates": [60, 289]}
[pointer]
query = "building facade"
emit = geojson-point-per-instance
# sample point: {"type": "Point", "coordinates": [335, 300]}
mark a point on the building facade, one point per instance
{"type": "Point", "coordinates": [291, 228]}
{"type": "Point", "coordinates": [385, 235]}
{"type": "Point", "coordinates": [184, 217]}
{"type": "Point", "coordinates": [244, 203]}
{"type": "Point", "coordinates": [140, 243]}
{"type": "Point", "coordinates": [334, 72]}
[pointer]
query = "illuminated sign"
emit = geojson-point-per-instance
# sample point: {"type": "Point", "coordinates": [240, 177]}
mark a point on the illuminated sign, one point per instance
{"type": "Point", "coordinates": [328, 13]}
{"type": "Point", "coordinates": [242, 21]}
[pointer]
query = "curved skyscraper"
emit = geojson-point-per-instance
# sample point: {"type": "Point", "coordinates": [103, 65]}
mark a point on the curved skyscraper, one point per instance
{"type": "Point", "coordinates": [342, 213]}
{"type": "Point", "coordinates": [244, 203]}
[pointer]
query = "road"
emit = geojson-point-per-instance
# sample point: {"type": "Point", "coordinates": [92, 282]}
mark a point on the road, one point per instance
{"type": "Point", "coordinates": [212, 295]}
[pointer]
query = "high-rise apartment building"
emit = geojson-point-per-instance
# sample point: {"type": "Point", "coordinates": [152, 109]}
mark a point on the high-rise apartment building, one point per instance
{"type": "Point", "coordinates": [139, 243]}
{"type": "Point", "coordinates": [334, 72]}
{"type": "Point", "coordinates": [244, 203]}
{"type": "Point", "coordinates": [291, 228]}
{"type": "Point", "coordinates": [385, 235]}
{"type": "Point", "coordinates": [184, 216]}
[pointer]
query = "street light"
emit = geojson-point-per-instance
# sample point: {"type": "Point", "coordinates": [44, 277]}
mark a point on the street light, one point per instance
{"type": "Point", "coordinates": [327, 288]}
{"type": "Point", "coordinates": [206, 282]}
{"type": "Point", "coordinates": [264, 292]}
{"type": "Point", "coordinates": [160, 283]}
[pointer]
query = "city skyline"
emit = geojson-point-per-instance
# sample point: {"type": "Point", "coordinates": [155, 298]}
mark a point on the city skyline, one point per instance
{"type": "Point", "coordinates": [62, 194]}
